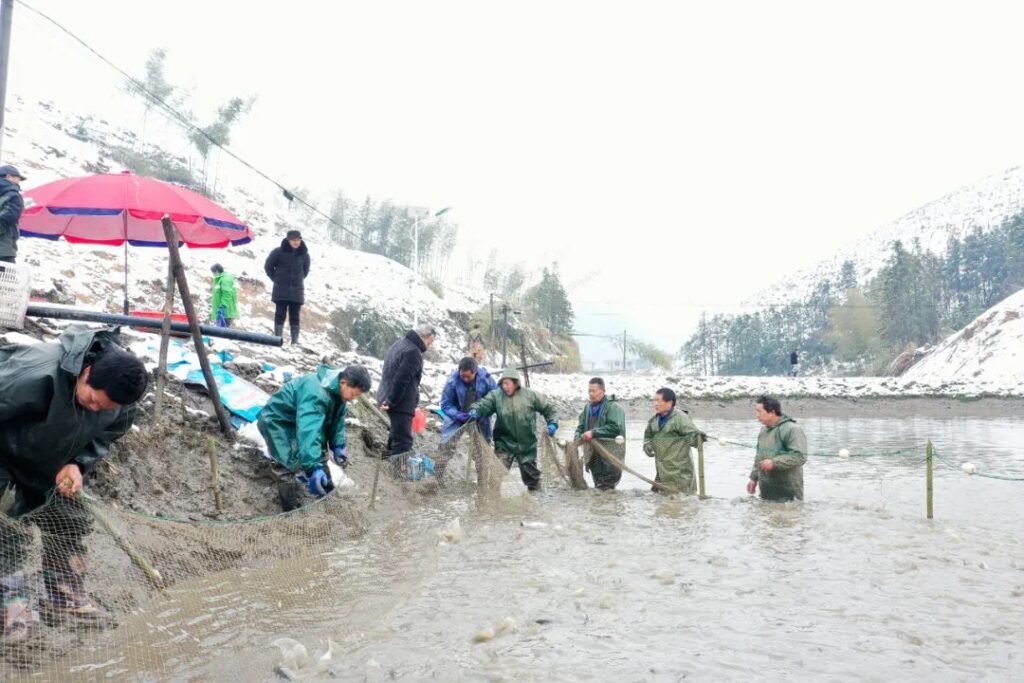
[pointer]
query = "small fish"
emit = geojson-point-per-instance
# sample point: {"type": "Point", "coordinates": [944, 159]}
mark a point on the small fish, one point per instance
{"type": "Point", "coordinates": [484, 636]}
{"type": "Point", "coordinates": [534, 525]}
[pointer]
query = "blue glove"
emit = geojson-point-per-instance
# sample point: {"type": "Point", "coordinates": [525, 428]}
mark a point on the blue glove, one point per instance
{"type": "Point", "coordinates": [340, 456]}
{"type": "Point", "coordinates": [552, 428]}
{"type": "Point", "coordinates": [473, 415]}
{"type": "Point", "coordinates": [461, 417]}
{"type": "Point", "coordinates": [319, 483]}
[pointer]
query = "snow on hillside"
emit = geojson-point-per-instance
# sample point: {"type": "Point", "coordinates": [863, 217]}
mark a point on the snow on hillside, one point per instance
{"type": "Point", "coordinates": [984, 204]}
{"type": "Point", "coordinates": [47, 145]}
{"type": "Point", "coordinates": [990, 349]}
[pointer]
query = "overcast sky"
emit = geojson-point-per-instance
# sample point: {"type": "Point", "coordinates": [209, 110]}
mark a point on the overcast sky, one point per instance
{"type": "Point", "coordinates": [671, 157]}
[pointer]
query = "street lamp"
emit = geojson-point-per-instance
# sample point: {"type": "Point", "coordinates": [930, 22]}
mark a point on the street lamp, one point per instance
{"type": "Point", "coordinates": [419, 212]}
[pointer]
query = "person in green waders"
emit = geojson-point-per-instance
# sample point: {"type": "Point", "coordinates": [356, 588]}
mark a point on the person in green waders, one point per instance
{"type": "Point", "coordinates": [781, 454]}
{"type": "Point", "coordinates": [224, 297]}
{"type": "Point", "coordinates": [303, 424]}
{"type": "Point", "coordinates": [669, 436]}
{"type": "Point", "coordinates": [602, 419]}
{"type": "Point", "coordinates": [515, 430]}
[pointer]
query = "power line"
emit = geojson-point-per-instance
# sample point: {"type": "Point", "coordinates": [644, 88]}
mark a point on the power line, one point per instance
{"type": "Point", "coordinates": [191, 127]}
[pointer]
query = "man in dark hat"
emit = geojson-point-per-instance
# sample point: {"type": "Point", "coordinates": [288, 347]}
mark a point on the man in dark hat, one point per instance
{"type": "Point", "coordinates": [11, 206]}
{"type": "Point", "coordinates": [288, 266]}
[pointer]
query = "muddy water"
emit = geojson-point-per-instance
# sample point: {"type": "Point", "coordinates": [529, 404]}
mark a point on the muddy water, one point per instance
{"type": "Point", "coordinates": [853, 584]}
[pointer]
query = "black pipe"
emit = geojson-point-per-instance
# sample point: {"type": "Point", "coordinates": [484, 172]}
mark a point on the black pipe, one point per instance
{"type": "Point", "coordinates": [62, 313]}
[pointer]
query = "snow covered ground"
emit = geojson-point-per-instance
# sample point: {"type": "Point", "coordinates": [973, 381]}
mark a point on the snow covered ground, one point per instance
{"type": "Point", "coordinates": [44, 148]}
{"type": "Point", "coordinates": [985, 359]}
{"type": "Point", "coordinates": [989, 350]}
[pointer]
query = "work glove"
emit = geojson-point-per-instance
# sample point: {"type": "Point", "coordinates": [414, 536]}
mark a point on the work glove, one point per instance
{"type": "Point", "coordinates": [552, 428]}
{"type": "Point", "coordinates": [462, 417]}
{"type": "Point", "coordinates": [319, 483]}
{"type": "Point", "coordinates": [473, 415]}
{"type": "Point", "coordinates": [340, 454]}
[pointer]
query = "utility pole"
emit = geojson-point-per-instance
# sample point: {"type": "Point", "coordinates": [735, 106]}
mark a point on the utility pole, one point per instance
{"type": "Point", "coordinates": [490, 344]}
{"type": "Point", "coordinates": [623, 350]}
{"type": "Point", "coordinates": [504, 344]}
{"type": "Point", "coordinates": [415, 268]}
{"type": "Point", "coordinates": [6, 10]}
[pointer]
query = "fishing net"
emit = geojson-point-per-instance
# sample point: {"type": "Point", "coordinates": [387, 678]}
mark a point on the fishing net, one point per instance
{"type": "Point", "coordinates": [91, 591]}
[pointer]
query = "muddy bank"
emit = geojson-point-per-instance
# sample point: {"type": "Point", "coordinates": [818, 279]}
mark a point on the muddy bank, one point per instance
{"type": "Point", "coordinates": [845, 407]}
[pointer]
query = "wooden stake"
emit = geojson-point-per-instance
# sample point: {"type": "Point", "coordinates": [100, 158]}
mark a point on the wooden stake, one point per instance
{"type": "Point", "coordinates": [700, 464]}
{"type": "Point", "coordinates": [197, 336]}
{"type": "Point", "coordinates": [215, 475]}
{"type": "Point", "coordinates": [141, 562]}
{"type": "Point", "coordinates": [375, 411]}
{"type": "Point", "coordinates": [165, 338]}
{"type": "Point", "coordinates": [376, 478]}
{"type": "Point", "coordinates": [930, 452]}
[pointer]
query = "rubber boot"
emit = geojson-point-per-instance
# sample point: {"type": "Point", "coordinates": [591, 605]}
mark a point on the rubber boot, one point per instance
{"type": "Point", "coordinates": [66, 599]}
{"type": "Point", "coordinates": [278, 329]}
{"type": "Point", "coordinates": [295, 334]}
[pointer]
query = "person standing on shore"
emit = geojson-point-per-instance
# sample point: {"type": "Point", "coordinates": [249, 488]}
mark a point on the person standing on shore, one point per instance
{"type": "Point", "coordinates": [287, 266]}
{"type": "Point", "coordinates": [781, 454]}
{"type": "Point", "coordinates": [794, 363]}
{"type": "Point", "coordinates": [602, 419]}
{"type": "Point", "coordinates": [11, 206]}
{"type": "Point", "coordinates": [399, 392]}
{"type": "Point", "coordinates": [224, 297]}
{"type": "Point", "coordinates": [668, 438]}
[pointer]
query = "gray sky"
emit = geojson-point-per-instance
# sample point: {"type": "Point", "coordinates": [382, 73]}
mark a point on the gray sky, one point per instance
{"type": "Point", "coordinates": [671, 156]}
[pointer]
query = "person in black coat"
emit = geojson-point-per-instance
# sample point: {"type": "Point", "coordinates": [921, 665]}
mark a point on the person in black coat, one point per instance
{"type": "Point", "coordinates": [399, 391]}
{"type": "Point", "coordinates": [288, 266]}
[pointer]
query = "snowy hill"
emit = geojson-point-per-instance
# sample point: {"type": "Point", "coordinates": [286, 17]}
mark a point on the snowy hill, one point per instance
{"type": "Point", "coordinates": [984, 204]}
{"type": "Point", "coordinates": [989, 350]}
{"type": "Point", "coordinates": [47, 143]}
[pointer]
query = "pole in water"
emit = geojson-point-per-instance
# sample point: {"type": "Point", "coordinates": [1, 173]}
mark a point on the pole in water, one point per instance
{"type": "Point", "coordinates": [930, 452]}
{"type": "Point", "coordinates": [700, 464]}
{"type": "Point", "coordinates": [215, 475]}
{"type": "Point", "coordinates": [376, 478]}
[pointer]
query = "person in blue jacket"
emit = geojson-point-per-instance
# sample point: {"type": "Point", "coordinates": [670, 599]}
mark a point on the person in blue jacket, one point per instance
{"type": "Point", "coordinates": [468, 383]}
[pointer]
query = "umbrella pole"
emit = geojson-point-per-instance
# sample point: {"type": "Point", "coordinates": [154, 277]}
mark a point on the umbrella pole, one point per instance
{"type": "Point", "coordinates": [193, 321]}
{"type": "Point", "coordinates": [126, 263]}
{"type": "Point", "coordinates": [165, 338]}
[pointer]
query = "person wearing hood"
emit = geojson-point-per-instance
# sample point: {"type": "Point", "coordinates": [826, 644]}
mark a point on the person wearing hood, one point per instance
{"type": "Point", "coordinates": [61, 407]}
{"type": "Point", "coordinates": [669, 436]}
{"type": "Point", "coordinates": [399, 392]}
{"type": "Point", "coordinates": [515, 430]}
{"type": "Point", "coordinates": [287, 266]}
{"type": "Point", "coordinates": [224, 299]}
{"type": "Point", "coordinates": [303, 424]}
{"type": "Point", "coordinates": [604, 420]}
{"type": "Point", "coordinates": [781, 454]}
{"type": "Point", "coordinates": [11, 206]}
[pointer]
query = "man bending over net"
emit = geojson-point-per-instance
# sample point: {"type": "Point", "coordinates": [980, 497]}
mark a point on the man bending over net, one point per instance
{"type": "Point", "coordinates": [303, 424]}
{"type": "Point", "coordinates": [61, 406]}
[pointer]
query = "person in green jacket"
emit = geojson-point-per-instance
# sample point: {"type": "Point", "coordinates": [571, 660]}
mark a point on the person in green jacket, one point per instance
{"type": "Point", "coordinates": [602, 419]}
{"type": "Point", "coordinates": [61, 407]}
{"type": "Point", "coordinates": [515, 430]}
{"type": "Point", "coordinates": [781, 454]}
{"type": "Point", "coordinates": [224, 296]}
{"type": "Point", "coordinates": [669, 436]}
{"type": "Point", "coordinates": [303, 424]}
